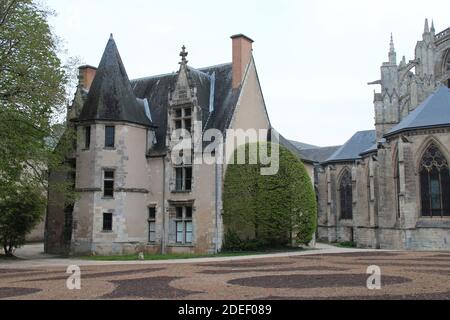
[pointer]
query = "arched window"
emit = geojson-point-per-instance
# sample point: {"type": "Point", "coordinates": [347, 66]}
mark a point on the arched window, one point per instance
{"type": "Point", "coordinates": [397, 183]}
{"type": "Point", "coordinates": [434, 183]}
{"type": "Point", "coordinates": [346, 195]}
{"type": "Point", "coordinates": [447, 69]}
{"type": "Point", "coordinates": [448, 62]}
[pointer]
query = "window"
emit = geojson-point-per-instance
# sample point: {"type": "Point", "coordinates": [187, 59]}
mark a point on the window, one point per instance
{"type": "Point", "coordinates": [346, 196]}
{"type": "Point", "coordinates": [183, 223]}
{"type": "Point", "coordinates": [434, 183]}
{"type": "Point", "coordinates": [448, 62]}
{"type": "Point", "coordinates": [183, 178]}
{"type": "Point", "coordinates": [183, 119]}
{"type": "Point", "coordinates": [152, 225]}
{"type": "Point", "coordinates": [110, 133]}
{"type": "Point", "coordinates": [397, 183]}
{"type": "Point", "coordinates": [87, 137]}
{"type": "Point", "coordinates": [107, 221]}
{"type": "Point", "coordinates": [108, 184]}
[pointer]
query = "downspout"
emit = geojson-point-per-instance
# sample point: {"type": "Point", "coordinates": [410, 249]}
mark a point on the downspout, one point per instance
{"type": "Point", "coordinates": [163, 208]}
{"type": "Point", "coordinates": [217, 191]}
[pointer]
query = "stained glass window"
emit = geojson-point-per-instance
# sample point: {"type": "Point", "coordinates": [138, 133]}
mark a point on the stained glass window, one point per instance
{"type": "Point", "coordinates": [434, 183]}
{"type": "Point", "coordinates": [346, 195]}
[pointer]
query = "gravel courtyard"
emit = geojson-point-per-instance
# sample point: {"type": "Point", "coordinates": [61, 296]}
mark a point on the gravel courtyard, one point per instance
{"type": "Point", "coordinates": [405, 275]}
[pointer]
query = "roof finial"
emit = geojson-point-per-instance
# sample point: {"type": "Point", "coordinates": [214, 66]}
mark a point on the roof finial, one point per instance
{"type": "Point", "coordinates": [183, 55]}
{"type": "Point", "coordinates": [432, 27]}
{"type": "Point", "coordinates": [111, 37]}
{"type": "Point", "coordinates": [426, 29]}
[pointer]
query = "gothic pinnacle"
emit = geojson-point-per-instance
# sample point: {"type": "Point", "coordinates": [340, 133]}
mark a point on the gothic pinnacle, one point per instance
{"type": "Point", "coordinates": [392, 47]}
{"type": "Point", "coordinates": [426, 28]}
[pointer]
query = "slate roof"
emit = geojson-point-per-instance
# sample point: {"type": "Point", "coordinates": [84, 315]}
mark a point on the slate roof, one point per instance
{"type": "Point", "coordinates": [301, 145]}
{"type": "Point", "coordinates": [290, 146]}
{"type": "Point", "coordinates": [351, 150]}
{"type": "Point", "coordinates": [111, 97]}
{"type": "Point", "coordinates": [433, 112]}
{"type": "Point", "coordinates": [372, 149]}
{"type": "Point", "coordinates": [156, 90]}
{"type": "Point", "coordinates": [319, 154]}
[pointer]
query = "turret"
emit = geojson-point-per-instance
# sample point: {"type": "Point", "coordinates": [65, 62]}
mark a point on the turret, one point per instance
{"type": "Point", "coordinates": [112, 132]}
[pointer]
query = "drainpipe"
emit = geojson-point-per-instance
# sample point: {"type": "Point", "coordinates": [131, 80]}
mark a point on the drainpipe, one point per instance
{"type": "Point", "coordinates": [163, 208]}
{"type": "Point", "coordinates": [217, 191]}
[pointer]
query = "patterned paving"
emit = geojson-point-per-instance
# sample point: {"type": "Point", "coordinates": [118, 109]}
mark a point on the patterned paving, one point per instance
{"type": "Point", "coordinates": [405, 275]}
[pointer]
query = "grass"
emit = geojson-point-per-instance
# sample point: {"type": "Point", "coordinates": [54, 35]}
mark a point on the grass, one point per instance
{"type": "Point", "coordinates": [181, 256]}
{"type": "Point", "coordinates": [349, 244]}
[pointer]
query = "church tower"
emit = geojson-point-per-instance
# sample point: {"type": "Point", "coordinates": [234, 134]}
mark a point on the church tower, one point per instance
{"type": "Point", "coordinates": [387, 102]}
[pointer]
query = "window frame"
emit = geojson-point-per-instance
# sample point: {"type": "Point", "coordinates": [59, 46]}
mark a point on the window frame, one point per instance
{"type": "Point", "coordinates": [151, 222]}
{"type": "Point", "coordinates": [181, 225]}
{"type": "Point", "coordinates": [183, 180]}
{"type": "Point", "coordinates": [113, 137]}
{"type": "Point", "coordinates": [109, 227]}
{"type": "Point", "coordinates": [109, 179]}
{"type": "Point", "coordinates": [183, 115]}
{"type": "Point", "coordinates": [346, 195]}
{"type": "Point", "coordinates": [437, 173]}
{"type": "Point", "coordinates": [87, 137]}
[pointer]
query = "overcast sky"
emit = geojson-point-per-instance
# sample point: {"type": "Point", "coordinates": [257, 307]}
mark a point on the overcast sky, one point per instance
{"type": "Point", "coordinates": [314, 58]}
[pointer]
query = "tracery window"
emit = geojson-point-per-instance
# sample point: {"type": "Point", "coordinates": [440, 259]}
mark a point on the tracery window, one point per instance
{"type": "Point", "coordinates": [434, 183]}
{"type": "Point", "coordinates": [448, 62]}
{"type": "Point", "coordinates": [346, 195]}
{"type": "Point", "coordinates": [448, 68]}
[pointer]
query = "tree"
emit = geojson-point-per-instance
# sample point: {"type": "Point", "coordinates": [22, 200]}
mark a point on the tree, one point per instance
{"type": "Point", "coordinates": [19, 214]}
{"type": "Point", "coordinates": [32, 94]}
{"type": "Point", "coordinates": [271, 210]}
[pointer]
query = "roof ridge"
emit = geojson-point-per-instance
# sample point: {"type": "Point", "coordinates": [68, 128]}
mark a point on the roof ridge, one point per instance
{"type": "Point", "coordinates": [174, 73]}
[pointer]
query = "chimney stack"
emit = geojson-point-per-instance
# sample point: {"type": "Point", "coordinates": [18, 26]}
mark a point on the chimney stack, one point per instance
{"type": "Point", "coordinates": [85, 76]}
{"type": "Point", "coordinates": [242, 53]}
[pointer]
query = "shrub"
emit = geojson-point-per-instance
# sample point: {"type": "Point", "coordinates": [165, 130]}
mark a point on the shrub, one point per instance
{"type": "Point", "coordinates": [20, 211]}
{"type": "Point", "coordinates": [270, 211]}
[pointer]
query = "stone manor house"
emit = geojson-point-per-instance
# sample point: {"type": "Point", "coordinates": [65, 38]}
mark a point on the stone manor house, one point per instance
{"type": "Point", "coordinates": [384, 188]}
{"type": "Point", "coordinates": [132, 196]}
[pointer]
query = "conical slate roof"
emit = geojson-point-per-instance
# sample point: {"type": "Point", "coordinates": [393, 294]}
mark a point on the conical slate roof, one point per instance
{"type": "Point", "coordinates": [111, 96]}
{"type": "Point", "coordinates": [433, 112]}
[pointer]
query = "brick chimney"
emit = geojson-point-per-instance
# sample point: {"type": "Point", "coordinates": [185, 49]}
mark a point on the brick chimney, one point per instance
{"type": "Point", "coordinates": [242, 53]}
{"type": "Point", "coordinates": [85, 76]}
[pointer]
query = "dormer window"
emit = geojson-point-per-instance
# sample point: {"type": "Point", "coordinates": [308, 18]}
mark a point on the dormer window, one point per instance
{"type": "Point", "coordinates": [183, 118]}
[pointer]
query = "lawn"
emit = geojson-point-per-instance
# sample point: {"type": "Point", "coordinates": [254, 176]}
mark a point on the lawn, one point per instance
{"type": "Point", "coordinates": [348, 245]}
{"type": "Point", "coordinates": [180, 256]}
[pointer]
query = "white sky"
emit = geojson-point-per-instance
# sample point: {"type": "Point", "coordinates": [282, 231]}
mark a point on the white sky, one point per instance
{"type": "Point", "coordinates": [314, 58]}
